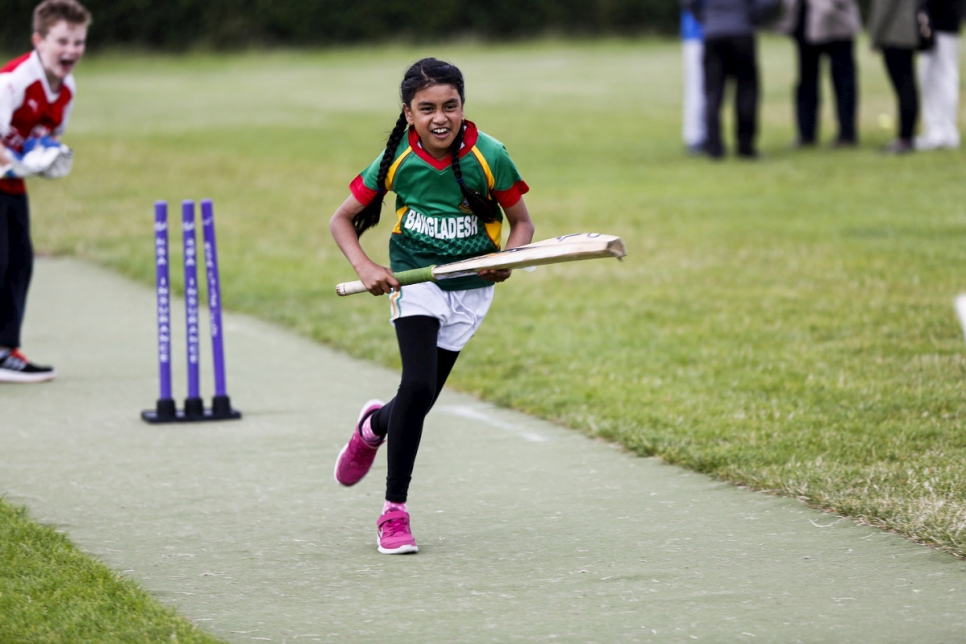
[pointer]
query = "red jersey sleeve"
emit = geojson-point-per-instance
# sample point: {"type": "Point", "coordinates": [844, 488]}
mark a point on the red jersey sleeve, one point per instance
{"type": "Point", "coordinates": [361, 191]}
{"type": "Point", "coordinates": [507, 198]}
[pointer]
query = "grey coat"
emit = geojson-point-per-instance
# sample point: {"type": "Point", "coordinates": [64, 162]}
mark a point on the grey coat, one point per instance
{"type": "Point", "coordinates": [892, 23]}
{"type": "Point", "coordinates": [825, 20]}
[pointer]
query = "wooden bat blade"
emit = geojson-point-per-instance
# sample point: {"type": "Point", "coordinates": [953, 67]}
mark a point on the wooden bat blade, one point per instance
{"type": "Point", "coordinates": [567, 248]}
{"type": "Point", "coordinates": [557, 250]}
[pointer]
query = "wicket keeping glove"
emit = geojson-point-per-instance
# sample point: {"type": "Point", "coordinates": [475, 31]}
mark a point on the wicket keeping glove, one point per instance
{"type": "Point", "coordinates": [37, 156]}
{"type": "Point", "coordinates": [62, 164]}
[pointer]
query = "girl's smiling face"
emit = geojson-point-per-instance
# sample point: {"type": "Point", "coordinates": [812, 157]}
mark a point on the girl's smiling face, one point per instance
{"type": "Point", "coordinates": [436, 112]}
{"type": "Point", "coordinates": [60, 50]}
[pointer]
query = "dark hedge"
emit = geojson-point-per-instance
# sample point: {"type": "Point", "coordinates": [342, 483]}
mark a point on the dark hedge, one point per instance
{"type": "Point", "coordinates": [175, 25]}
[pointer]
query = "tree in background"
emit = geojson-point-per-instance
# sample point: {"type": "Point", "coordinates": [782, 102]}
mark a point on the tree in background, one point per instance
{"type": "Point", "coordinates": [236, 24]}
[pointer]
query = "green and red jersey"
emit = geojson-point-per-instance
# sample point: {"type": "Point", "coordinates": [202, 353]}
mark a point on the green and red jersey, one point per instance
{"type": "Point", "coordinates": [434, 225]}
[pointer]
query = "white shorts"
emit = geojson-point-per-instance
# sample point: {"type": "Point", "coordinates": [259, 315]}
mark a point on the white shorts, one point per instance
{"type": "Point", "coordinates": [460, 313]}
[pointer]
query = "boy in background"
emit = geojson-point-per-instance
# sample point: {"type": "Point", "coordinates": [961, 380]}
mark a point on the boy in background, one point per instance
{"type": "Point", "coordinates": [36, 98]}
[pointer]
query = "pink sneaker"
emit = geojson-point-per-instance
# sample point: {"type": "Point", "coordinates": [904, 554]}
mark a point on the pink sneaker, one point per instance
{"type": "Point", "coordinates": [356, 457]}
{"type": "Point", "coordinates": [395, 537]}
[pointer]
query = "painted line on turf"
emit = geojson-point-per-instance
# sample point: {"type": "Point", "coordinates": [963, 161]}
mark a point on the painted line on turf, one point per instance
{"type": "Point", "coordinates": [471, 413]}
{"type": "Point", "coordinates": [960, 304]}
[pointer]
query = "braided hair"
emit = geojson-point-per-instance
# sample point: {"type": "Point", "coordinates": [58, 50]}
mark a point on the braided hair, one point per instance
{"type": "Point", "coordinates": [485, 208]}
{"type": "Point", "coordinates": [422, 74]}
{"type": "Point", "coordinates": [369, 216]}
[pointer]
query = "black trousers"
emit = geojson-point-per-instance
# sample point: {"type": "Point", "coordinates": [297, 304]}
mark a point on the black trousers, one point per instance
{"type": "Point", "coordinates": [425, 368]}
{"type": "Point", "coordinates": [899, 65]}
{"type": "Point", "coordinates": [807, 93]}
{"type": "Point", "coordinates": [734, 58]}
{"type": "Point", "coordinates": [16, 265]}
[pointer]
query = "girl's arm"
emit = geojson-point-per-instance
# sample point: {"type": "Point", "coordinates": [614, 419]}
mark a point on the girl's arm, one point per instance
{"type": "Point", "coordinates": [521, 234]}
{"type": "Point", "coordinates": [521, 226]}
{"type": "Point", "coordinates": [377, 279]}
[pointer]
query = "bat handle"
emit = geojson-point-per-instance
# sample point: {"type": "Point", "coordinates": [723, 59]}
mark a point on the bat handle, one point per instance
{"type": "Point", "coordinates": [350, 288]}
{"type": "Point", "coordinates": [414, 276]}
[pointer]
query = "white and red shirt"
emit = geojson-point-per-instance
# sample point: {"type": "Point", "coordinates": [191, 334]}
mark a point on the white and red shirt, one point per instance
{"type": "Point", "coordinates": [28, 107]}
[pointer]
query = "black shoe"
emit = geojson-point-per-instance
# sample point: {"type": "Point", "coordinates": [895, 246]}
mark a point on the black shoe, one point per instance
{"type": "Point", "coordinates": [696, 149]}
{"type": "Point", "coordinates": [14, 367]}
{"type": "Point", "coordinates": [714, 149]}
{"type": "Point", "coordinates": [799, 144]}
{"type": "Point", "coordinates": [843, 144]}
{"type": "Point", "coordinates": [899, 146]}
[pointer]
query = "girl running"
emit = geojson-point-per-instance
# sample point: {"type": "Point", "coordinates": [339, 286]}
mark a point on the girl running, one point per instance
{"type": "Point", "coordinates": [451, 182]}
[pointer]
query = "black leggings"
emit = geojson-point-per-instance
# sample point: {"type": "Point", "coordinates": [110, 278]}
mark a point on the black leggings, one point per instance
{"type": "Point", "coordinates": [899, 65]}
{"type": "Point", "coordinates": [16, 266]}
{"type": "Point", "coordinates": [425, 368]}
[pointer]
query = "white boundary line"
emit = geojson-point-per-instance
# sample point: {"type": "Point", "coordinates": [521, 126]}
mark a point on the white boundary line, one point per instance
{"type": "Point", "coordinates": [471, 413]}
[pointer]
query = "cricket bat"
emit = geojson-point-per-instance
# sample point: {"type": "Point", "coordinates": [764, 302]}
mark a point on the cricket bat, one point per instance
{"type": "Point", "coordinates": [566, 248]}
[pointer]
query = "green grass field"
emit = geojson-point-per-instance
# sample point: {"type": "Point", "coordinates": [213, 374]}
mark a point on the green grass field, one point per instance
{"type": "Point", "coordinates": [786, 325]}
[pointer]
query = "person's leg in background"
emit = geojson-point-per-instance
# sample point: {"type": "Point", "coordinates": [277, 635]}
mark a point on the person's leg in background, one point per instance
{"type": "Point", "coordinates": [845, 84]}
{"type": "Point", "coordinates": [714, 89]}
{"type": "Point", "coordinates": [938, 71]}
{"type": "Point", "coordinates": [899, 66]}
{"type": "Point", "coordinates": [694, 125]}
{"type": "Point", "coordinates": [746, 95]}
{"type": "Point", "coordinates": [692, 63]}
{"type": "Point", "coordinates": [807, 93]}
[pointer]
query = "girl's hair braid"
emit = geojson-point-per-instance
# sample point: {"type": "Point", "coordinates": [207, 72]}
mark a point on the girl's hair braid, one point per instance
{"type": "Point", "coordinates": [369, 216]}
{"type": "Point", "coordinates": [485, 208]}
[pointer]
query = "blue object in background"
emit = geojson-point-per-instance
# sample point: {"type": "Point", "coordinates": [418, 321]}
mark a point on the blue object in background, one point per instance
{"type": "Point", "coordinates": [690, 27]}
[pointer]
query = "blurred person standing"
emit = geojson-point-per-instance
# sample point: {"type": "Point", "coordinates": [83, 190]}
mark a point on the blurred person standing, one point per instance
{"type": "Point", "coordinates": [824, 28]}
{"type": "Point", "coordinates": [692, 51]}
{"type": "Point", "coordinates": [938, 69]}
{"type": "Point", "coordinates": [36, 98]}
{"type": "Point", "coordinates": [730, 53]}
{"type": "Point", "coordinates": [893, 30]}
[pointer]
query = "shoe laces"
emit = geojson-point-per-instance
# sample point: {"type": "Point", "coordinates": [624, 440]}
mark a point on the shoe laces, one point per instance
{"type": "Point", "coordinates": [395, 526]}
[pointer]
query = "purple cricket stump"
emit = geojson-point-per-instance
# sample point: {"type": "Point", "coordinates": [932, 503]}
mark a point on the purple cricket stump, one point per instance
{"type": "Point", "coordinates": [214, 295]}
{"type": "Point", "coordinates": [193, 403]}
{"type": "Point", "coordinates": [166, 410]}
{"type": "Point", "coordinates": [221, 403]}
